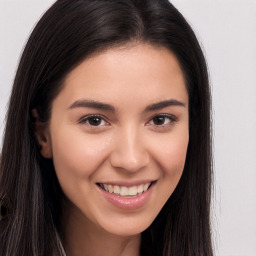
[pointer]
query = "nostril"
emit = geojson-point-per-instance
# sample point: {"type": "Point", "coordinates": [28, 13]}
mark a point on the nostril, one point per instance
{"type": "Point", "coordinates": [130, 161]}
{"type": "Point", "coordinates": [130, 165]}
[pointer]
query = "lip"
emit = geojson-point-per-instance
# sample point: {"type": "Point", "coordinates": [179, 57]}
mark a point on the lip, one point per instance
{"type": "Point", "coordinates": [127, 203]}
{"type": "Point", "coordinates": [127, 183]}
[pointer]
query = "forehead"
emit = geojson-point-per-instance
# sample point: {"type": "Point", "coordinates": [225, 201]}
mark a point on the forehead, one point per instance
{"type": "Point", "coordinates": [130, 72]}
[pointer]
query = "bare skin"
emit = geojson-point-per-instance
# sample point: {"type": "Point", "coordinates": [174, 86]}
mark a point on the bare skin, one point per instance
{"type": "Point", "coordinates": [121, 121]}
{"type": "Point", "coordinates": [97, 242]}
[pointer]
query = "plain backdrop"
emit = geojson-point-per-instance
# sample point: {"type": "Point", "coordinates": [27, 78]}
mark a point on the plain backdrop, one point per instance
{"type": "Point", "coordinates": [227, 32]}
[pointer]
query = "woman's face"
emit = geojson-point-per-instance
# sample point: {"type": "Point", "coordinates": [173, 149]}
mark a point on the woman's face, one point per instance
{"type": "Point", "coordinates": [118, 136]}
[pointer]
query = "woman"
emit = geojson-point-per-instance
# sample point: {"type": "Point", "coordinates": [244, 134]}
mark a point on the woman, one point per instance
{"type": "Point", "coordinates": [107, 144]}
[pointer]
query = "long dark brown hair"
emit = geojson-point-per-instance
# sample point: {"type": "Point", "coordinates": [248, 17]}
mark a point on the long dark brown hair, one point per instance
{"type": "Point", "coordinates": [69, 32]}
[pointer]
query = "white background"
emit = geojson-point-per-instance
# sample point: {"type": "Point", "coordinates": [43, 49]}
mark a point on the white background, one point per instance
{"type": "Point", "coordinates": [227, 31]}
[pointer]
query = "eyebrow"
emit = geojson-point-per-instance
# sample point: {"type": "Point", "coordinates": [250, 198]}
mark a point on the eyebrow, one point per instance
{"type": "Point", "coordinates": [104, 106]}
{"type": "Point", "coordinates": [164, 104]}
{"type": "Point", "coordinates": [92, 104]}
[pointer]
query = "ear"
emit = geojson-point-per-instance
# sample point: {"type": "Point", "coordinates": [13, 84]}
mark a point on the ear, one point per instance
{"type": "Point", "coordinates": [42, 134]}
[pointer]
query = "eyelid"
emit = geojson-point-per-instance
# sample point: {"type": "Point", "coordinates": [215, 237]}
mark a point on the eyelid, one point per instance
{"type": "Point", "coordinates": [84, 119]}
{"type": "Point", "coordinates": [172, 118]}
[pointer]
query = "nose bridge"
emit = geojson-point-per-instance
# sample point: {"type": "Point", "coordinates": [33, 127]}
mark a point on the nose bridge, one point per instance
{"type": "Point", "coordinates": [129, 151]}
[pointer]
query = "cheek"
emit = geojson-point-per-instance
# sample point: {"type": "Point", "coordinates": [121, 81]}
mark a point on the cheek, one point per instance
{"type": "Point", "coordinates": [174, 157]}
{"type": "Point", "coordinates": [77, 155]}
{"type": "Point", "coordinates": [170, 154]}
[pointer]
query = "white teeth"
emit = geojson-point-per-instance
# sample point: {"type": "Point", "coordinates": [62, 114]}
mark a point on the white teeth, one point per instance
{"type": "Point", "coordinates": [126, 191]}
{"type": "Point", "coordinates": [140, 189]}
{"type": "Point", "coordinates": [145, 187]}
{"type": "Point", "coordinates": [110, 188]}
{"type": "Point", "coordinates": [116, 189]}
{"type": "Point", "coordinates": [133, 191]}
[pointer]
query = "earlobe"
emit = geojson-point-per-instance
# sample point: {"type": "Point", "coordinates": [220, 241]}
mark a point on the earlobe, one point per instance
{"type": "Point", "coordinates": [42, 135]}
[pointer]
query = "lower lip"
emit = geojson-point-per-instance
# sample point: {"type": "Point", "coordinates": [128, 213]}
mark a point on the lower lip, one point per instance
{"type": "Point", "coordinates": [128, 203]}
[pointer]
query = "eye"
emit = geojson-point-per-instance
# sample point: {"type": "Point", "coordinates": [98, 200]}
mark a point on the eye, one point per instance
{"type": "Point", "coordinates": [93, 120]}
{"type": "Point", "coordinates": [162, 120]}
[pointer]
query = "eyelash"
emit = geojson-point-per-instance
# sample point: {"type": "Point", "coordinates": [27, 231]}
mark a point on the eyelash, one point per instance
{"type": "Point", "coordinates": [172, 120]}
{"type": "Point", "coordinates": [86, 119]}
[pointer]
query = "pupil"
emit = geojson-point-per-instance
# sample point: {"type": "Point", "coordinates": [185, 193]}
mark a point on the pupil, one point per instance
{"type": "Point", "coordinates": [94, 121]}
{"type": "Point", "coordinates": [159, 120]}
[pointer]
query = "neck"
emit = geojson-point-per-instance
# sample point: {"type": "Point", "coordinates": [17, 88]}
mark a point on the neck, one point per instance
{"type": "Point", "coordinates": [82, 237]}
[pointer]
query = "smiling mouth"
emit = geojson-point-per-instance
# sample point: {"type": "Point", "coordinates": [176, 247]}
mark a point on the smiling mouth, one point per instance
{"type": "Point", "coordinates": [124, 191]}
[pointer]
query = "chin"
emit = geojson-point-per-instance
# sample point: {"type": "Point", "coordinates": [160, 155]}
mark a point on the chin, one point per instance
{"type": "Point", "coordinates": [127, 226]}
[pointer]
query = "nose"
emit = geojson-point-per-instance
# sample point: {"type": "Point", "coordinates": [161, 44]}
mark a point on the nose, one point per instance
{"type": "Point", "coordinates": [129, 152]}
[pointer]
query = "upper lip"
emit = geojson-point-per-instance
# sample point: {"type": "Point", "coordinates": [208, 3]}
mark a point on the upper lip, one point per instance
{"type": "Point", "coordinates": [127, 183]}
